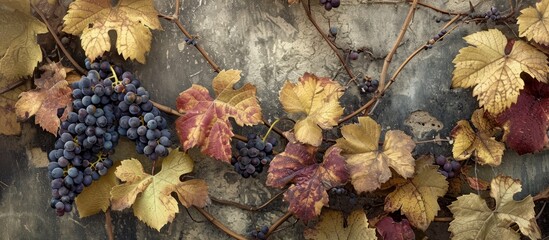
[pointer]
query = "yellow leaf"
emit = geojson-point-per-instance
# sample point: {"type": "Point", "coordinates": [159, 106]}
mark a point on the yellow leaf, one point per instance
{"type": "Point", "coordinates": [19, 52]}
{"type": "Point", "coordinates": [418, 198]}
{"type": "Point", "coordinates": [368, 166]}
{"type": "Point", "coordinates": [151, 195]}
{"type": "Point", "coordinates": [318, 99]}
{"type": "Point", "coordinates": [481, 143]}
{"type": "Point", "coordinates": [534, 22]}
{"type": "Point", "coordinates": [96, 197]}
{"type": "Point", "coordinates": [494, 74]}
{"type": "Point", "coordinates": [331, 227]}
{"type": "Point", "coordinates": [473, 219]}
{"type": "Point", "coordinates": [131, 19]}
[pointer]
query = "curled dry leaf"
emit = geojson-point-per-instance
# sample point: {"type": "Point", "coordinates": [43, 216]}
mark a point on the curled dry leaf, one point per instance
{"type": "Point", "coordinates": [369, 165]}
{"type": "Point", "coordinates": [534, 22]}
{"type": "Point", "coordinates": [151, 195]}
{"type": "Point", "coordinates": [480, 143]}
{"type": "Point", "coordinates": [477, 183]}
{"type": "Point", "coordinates": [417, 199]}
{"type": "Point", "coordinates": [494, 74]}
{"type": "Point", "coordinates": [318, 99]}
{"type": "Point", "coordinates": [52, 92]}
{"type": "Point", "coordinates": [131, 19]}
{"type": "Point", "coordinates": [310, 179]}
{"type": "Point", "coordinates": [473, 219]}
{"type": "Point", "coordinates": [97, 197]}
{"type": "Point", "coordinates": [205, 121]}
{"type": "Point", "coordinates": [391, 230]}
{"type": "Point", "coordinates": [331, 227]}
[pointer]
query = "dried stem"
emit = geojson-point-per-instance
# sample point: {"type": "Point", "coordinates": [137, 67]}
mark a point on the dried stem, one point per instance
{"type": "Point", "coordinates": [307, 9]}
{"type": "Point", "coordinates": [279, 222]}
{"type": "Point", "coordinates": [219, 225]}
{"type": "Point", "coordinates": [277, 130]}
{"type": "Point", "coordinates": [59, 43]}
{"type": "Point", "coordinates": [443, 219]}
{"type": "Point", "coordinates": [166, 109]}
{"type": "Point", "coordinates": [437, 9]}
{"type": "Point", "coordinates": [246, 207]}
{"type": "Point", "coordinates": [433, 141]}
{"type": "Point", "coordinates": [542, 195]}
{"type": "Point", "coordinates": [108, 224]}
{"type": "Point", "coordinates": [13, 85]}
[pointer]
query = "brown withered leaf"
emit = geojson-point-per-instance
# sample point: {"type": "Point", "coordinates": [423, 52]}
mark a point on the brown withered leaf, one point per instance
{"type": "Point", "coordinates": [477, 183]}
{"type": "Point", "coordinates": [310, 179]}
{"type": "Point", "coordinates": [331, 227]}
{"type": "Point", "coordinates": [369, 165]}
{"type": "Point", "coordinates": [391, 230]}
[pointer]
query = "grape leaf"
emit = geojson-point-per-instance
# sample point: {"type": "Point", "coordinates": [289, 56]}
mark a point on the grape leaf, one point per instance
{"type": "Point", "coordinates": [368, 165]}
{"type": "Point", "coordinates": [131, 19]}
{"type": "Point", "coordinates": [525, 122]}
{"type": "Point", "coordinates": [494, 74]}
{"type": "Point", "coordinates": [417, 199]}
{"type": "Point", "coordinates": [481, 143]}
{"type": "Point", "coordinates": [473, 219]}
{"type": "Point", "coordinates": [151, 195]}
{"type": "Point", "coordinates": [297, 165]}
{"type": "Point", "coordinates": [534, 22]}
{"type": "Point", "coordinates": [96, 197]}
{"type": "Point", "coordinates": [19, 52]}
{"type": "Point", "coordinates": [206, 121]}
{"type": "Point", "coordinates": [391, 230]}
{"type": "Point", "coordinates": [331, 227]}
{"type": "Point", "coordinates": [318, 99]}
{"type": "Point", "coordinates": [477, 183]}
{"type": "Point", "coordinates": [52, 92]}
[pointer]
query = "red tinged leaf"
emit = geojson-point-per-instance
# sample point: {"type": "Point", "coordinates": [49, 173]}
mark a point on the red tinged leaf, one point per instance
{"type": "Point", "coordinates": [297, 164]}
{"type": "Point", "coordinates": [205, 122]}
{"type": "Point", "coordinates": [525, 122]}
{"type": "Point", "coordinates": [477, 184]}
{"type": "Point", "coordinates": [391, 230]}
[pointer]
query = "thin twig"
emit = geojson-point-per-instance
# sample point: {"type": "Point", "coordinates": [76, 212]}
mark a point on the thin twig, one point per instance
{"type": "Point", "coordinates": [542, 195]}
{"type": "Point", "coordinates": [59, 43]}
{"type": "Point", "coordinates": [277, 130]}
{"type": "Point", "coordinates": [279, 222]}
{"type": "Point", "coordinates": [443, 219]}
{"type": "Point", "coordinates": [246, 207]}
{"type": "Point", "coordinates": [541, 210]}
{"type": "Point", "coordinates": [433, 141]}
{"type": "Point", "coordinates": [436, 9]}
{"type": "Point", "coordinates": [330, 43]}
{"type": "Point", "coordinates": [166, 109]}
{"type": "Point", "coordinates": [13, 85]}
{"type": "Point", "coordinates": [108, 224]}
{"type": "Point", "coordinates": [219, 225]}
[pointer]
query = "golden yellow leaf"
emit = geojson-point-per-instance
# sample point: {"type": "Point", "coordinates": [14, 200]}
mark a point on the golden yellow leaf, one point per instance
{"type": "Point", "coordinates": [151, 195]}
{"type": "Point", "coordinates": [534, 22]}
{"type": "Point", "coordinates": [473, 219]}
{"type": "Point", "coordinates": [318, 99]}
{"type": "Point", "coordinates": [481, 143]}
{"type": "Point", "coordinates": [418, 198]}
{"type": "Point", "coordinates": [331, 227]}
{"type": "Point", "coordinates": [494, 74]}
{"type": "Point", "coordinates": [96, 197]}
{"type": "Point", "coordinates": [369, 166]}
{"type": "Point", "coordinates": [131, 19]}
{"type": "Point", "coordinates": [19, 52]}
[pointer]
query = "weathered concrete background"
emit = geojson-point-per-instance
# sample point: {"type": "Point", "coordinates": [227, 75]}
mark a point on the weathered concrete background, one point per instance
{"type": "Point", "coordinates": [270, 42]}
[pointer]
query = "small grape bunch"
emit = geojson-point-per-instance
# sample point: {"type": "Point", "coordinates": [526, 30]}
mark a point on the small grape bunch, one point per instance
{"type": "Point", "coordinates": [341, 192]}
{"type": "Point", "coordinates": [329, 4]}
{"type": "Point", "coordinates": [252, 156]}
{"type": "Point", "coordinates": [260, 234]}
{"type": "Point", "coordinates": [448, 167]}
{"type": "Point", "coordinates": [368, 86]}
{"type": "Point", "coordinates": [493, 14]}
{"type": "Point", "coordinates": [437, 37]}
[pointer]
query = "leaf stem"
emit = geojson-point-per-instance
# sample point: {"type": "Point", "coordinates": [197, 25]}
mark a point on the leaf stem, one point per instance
{"type": "Point", "coordinates": [108, 224]}
{"type": "Point", "coordinates": [270, 128]}
{"type": "Point", "coordinates": [218, 224]}
{"type": "Point", "coordinates": [246, 207]}
{"type": "Point", "coordinates": [59, 43]}
{"type": "Point", "coordinates": [13, 85]}
{"type": "Point", "coordinates": [166, 109]}
{"type": "Point", "coordinates": [437, 9]}
{"type": "Point", "coordinates": [279, 222]}
{"type": "Point", "coordinates": [443, 219]}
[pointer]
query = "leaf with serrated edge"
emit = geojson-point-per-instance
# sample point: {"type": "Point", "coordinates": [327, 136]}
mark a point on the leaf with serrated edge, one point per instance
{"type": "Point", "coordinates": [131, 19]}
{"type": "Point", "coordinates": [205, 121]}
{"type": "Point", "coordinates": [473, 219]}
{"type": "Point", "coordinates": [534, 22]}
{"type": "Point", "coordinates": [52, 92]}
{"type": "Point", "coordinates": [318, 99]}
{"type": "Point", "coordinates": [96, 197]}
{"type": "Point", "coordinates": [297, 164]}
{"type": "Point", "coordinates": [151, 195]}
{"type": "Point", "coordinates": [368, 166]}
{"type": "Point", "coordinates": [331, 227]}
{"type": "Point", "coordinates": [495, 75]}
{"type": "Point", "coordinates": [19, 52]}
{"type": "Point", "coordinates": [418, 198]}
{"type": "Point", "coordinates": [482, 143]}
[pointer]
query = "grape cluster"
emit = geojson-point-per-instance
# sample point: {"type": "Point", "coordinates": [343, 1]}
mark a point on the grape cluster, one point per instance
{"type": "Point", "coordinates": [341, 192]}
{"type": "Point", "coordinates": [91, 130]}
{"type": "Point", "coordinates": [432, 41]}
{"type": "Point", "coordinates": [260, 234]}
{"type": "Point", "coordinates": [492, 14]}
{"type": "Point", "coordinates": [448, 167]}
{"type": "Point", "coordinates": [368, 86]}
{"type": "Point", "coordinates": [329, 4]}
{"type": "Point", "coordinates": [252, 156]}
